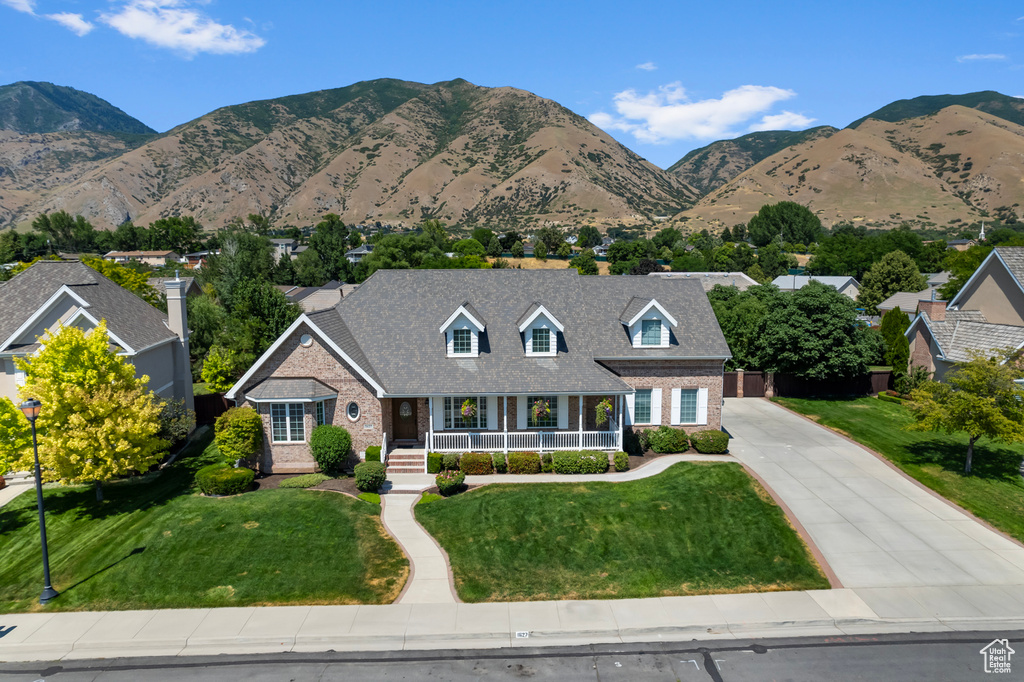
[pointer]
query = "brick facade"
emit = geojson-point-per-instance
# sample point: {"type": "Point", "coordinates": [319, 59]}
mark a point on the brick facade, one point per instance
{"type": "Point", "coordinates": [669, 374]}
{"type": "Point", "coordinates": [318, 361]}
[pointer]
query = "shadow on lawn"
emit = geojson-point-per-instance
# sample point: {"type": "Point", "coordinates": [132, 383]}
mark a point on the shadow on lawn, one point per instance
{"type": "Point", "coordinates": [990, 461]}
{"type": "Point", "coordinates": [137, 550]}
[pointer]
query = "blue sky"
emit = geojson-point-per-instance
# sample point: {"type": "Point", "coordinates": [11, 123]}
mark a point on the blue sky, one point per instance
{"type": "Point", "coordinates": [663, 78]}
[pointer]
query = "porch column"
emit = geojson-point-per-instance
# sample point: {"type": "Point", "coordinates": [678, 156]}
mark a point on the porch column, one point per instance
{"type": "Point", "coordinates": [581, 421]}
{"type": "Point", "coordinates": [504, 433]}
{"type": "Point", "coordinates": [622, 407]}
{"type": "Point", "coordinates": [430, 432]}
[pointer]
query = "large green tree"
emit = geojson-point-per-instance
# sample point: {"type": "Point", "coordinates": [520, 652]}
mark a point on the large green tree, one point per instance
{"type": "Point", "coordinates": [772, 261]}
{"type": "Point", "coordinates": [786, 221]}
{"type": "Point", "coordinates": [979, 398]}
{"type": "Point", "coordinates": [893, 273]}
{"type": "Point", "coordinates": [584, 262]}
{"type": "Point", "coordinates": [65, 232]}
{"type": "Point", "coordinates": [588, 237]}
{"type": "Point", "coordinates": [310, 269]}
{"type": "Point", "coordinates": [739, 315]}
{"type": "Point", "coordinates": [243, 257]}
{"type": "Point", "coordinates": [331, 240]}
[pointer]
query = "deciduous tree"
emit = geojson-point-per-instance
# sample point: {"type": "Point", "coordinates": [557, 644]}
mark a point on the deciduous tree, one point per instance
{"type": "Point", "coordinates": [979, 398]}
{"type": "Point", "coordinates": [893, 273]}
{"type": "Point", "coordinates": [584, 262]}
{"type": "Point", "coordinates": [787, 220]}
{"type": "Point", "coordinates": [15, 438]}
{"type": "Point", "coordinates": [219, 369]}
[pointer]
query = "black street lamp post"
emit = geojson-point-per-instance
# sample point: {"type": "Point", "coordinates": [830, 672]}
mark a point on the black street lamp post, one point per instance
{"type": "Point", "coordinates": [31, 410]}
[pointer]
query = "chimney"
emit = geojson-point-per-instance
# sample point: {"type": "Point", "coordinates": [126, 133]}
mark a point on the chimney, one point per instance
{"type": "Point", "coordinates": [936, 309]}
{"type": "Point", "coordinates": [177, 320]}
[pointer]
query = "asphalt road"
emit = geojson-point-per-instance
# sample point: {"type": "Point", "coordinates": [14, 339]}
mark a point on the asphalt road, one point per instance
{"type": "Point", "coordinates": [930, 657]}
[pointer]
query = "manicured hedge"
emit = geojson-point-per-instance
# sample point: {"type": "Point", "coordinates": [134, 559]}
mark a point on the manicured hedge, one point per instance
{"type": "Point", "coordinates": [239, 433]}
{"type": "Point", "coordinates": [500, 465]}
{"type": "Point", "coordinates": [370, 476]}
{"type": "Point", "coordinates": [450, 461]}
{"type": "Point", "coordinates": [373, 453]}
{"type": "Point", "coordinates": [890, 398]}
{"type": "Point", "coordinates": [666, 439]}
{"type": "Point", "coordinates": [224, 480]}
{"type": "Point", "coordinates": [434, 461]}
{"type": "Point", "coordinates": [546, 463]}
{"type": "Point", "coordinates": [710, 442]}
{"type": "Point", "coordinates": [621, 461]}
{"type": "Point", "coordinates": [304, 481]}
{"type": "Point", "coordinates": [582, 462]}
{"type": "Point", "coordinates": [330, 446]}
{"type": "Point", "coordinates": [476, 463]}
{"type": "Point", "coordinates": [523, 463]}
{"type": "Point", "coordinates": [450, 482]}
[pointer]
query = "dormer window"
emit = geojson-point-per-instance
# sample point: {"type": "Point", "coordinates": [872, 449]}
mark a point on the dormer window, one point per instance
{"type": "Point", "coordinates": [462, 341]}
{"type": "Point", "coordinates": [462, 332]}
{"type": "Point", "coordinates": [540, 331]}
{"type": "Point", "coordinates": [650, 333]}
{"type": "Point", "coordinates": [541, 340]}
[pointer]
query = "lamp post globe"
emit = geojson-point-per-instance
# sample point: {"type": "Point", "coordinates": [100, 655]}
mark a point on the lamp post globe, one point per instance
{"type": "Point", "coordinates": [30, 408]}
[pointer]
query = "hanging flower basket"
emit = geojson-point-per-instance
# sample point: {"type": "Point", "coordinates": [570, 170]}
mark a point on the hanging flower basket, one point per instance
{"type": "Point", "coordinates": [540, 410]}
{"type": "Point", "coordinates": [468, 410]}
{"type": "Point", "coordinates": [603, 411]}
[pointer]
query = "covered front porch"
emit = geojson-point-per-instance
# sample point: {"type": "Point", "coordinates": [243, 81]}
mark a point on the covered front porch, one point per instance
{"type": "Point", "coordinates": [506, 423]}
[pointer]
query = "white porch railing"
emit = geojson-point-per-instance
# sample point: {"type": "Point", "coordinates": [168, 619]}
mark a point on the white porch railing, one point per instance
{"type": "Point", "coordinates": [384, 449]}
{"type": "Point", "coordinates": [539, 441]}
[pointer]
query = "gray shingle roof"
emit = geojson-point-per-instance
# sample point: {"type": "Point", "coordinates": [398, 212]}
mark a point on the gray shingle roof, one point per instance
{"type": "Point", "coordinates": [389, 326]}
{"type": "Point", "coordinates": [958, 337]}
{"type": "Point", "coordinates": [906, 301]}
{"type": "Point", "coordinates": [281, 388]}
{"type": "Point", "coordinates": [633, 308]}
{"type": "Point", "coordinates": [709, 280]}
{"type": "Point", "coordinates": [1013, 256]}
{"type": "Point", "coordinates": [128, 317]}
{"type": "Point", "coordinates": [800, 281]}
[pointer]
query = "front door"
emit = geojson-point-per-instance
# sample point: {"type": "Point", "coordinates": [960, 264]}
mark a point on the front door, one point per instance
{"type": "Point", "coordinates": [403, 417]}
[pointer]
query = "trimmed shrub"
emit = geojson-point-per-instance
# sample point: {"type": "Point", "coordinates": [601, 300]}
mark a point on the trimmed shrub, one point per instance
{"type": "Point", "coordinates": [523, 463]}
{"type": "Point", "coordinates": [304, 481]}
{"type": "Point", "coordinates": [372, 498]}
{"type": "Point", "coordinates": [621, 461]}
{"type": "Point", "coordinates": [667, 439]}
{"type": "Point", "coordinates": [710, 442]}
{"type": "Point", "coordinates": [886, 397]}
{"type": "Point", "coordinates": [500, 466]}
{"type": "Point", "coordinates": [239, 434]}
{"type": "Point", "coordinates": [224, 480]}
{"type": "Point", "coordinates": [373, 453]}
{"type": "Point", "coordinates": [330, 446]}
{"type": "Point", "coordinates": [370, 476]}
{"type": "Point", "coordinates": [434, 461]}
{"type": "Point", "coordinates": [450, 482]}
{"type": "Point", "coordinates": [476, 463]}
{"type": "Point", "coordinates": [582, 462]}
{"type": "Point", "coordinates": [547, 465]}
{"type": "Point", "coordinates": [450, 461]}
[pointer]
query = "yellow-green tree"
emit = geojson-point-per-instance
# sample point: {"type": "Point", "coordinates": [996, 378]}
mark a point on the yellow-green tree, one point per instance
{"type": "Point", "coordinates": [15, 438]}
{"type": "Point", "coordinates": [219, 369]}
{"type": "Point", "coordinates": [98, 420]}
{"type": "Point", "coordinates": [132, 280]}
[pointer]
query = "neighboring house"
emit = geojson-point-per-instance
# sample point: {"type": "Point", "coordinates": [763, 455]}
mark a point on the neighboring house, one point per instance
{"type": "Point", "coordinates": [847, 286]}
{"type": "Point", "coordinates": [986, 316]}
{"type": "Point", "coordinates": [710, 279]}
{"type": "Point", "coordinates": [395, 361]}
{"type": "Point", "coordinates": [51, 294]}
{"type": "Point", "coordinates": [313, 298]}
{"type": "Point", "coordinates": [195, 261]}
{"type": "Point", "coordinates": [357, 254]}
{"type": "Point", "coordinates": [190, 285]}
{"type": "Point", "coordinates": [571, 240]}
{"type": "Point", "coordinates": [907, 300]}
{"type": "Point", "coordinates": [960, 244]}
{"type": "Point", "coordinates": [283, 248]}
{"type": "Point", "coordinates": [153, 258]}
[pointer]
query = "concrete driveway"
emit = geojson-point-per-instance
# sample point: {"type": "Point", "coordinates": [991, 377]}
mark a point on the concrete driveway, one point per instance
{"type": "Point", "coordinates": [876, 528]}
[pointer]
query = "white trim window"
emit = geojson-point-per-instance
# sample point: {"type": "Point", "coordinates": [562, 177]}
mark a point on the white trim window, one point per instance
{"type": "Point", "coordinates": [541, 342]}
{"type": "Point", "coordinates": [321, 412]}
{"type": "Point", "coordinates": [688, 406]}
{"type": "Point", "coordinates": [642, 406]}
{"type": "Point", "coordinates": [551, 420]}
{"type": "Point", "coordinates": [287, 423]}
{"type": "Point", "coordinates": [650, 332]}
{"type": "Point", "coordinates": [453, 418]}
{"type": "Point", "coordinates": [462, 341]}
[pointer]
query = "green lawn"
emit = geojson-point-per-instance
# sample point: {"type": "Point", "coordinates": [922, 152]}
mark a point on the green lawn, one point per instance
{"type": "Point", "coordinates": [995, 491]}
{"type": "Point", "coordinates": [201, 389]}
{"type": "Point", "coordinates": [694, 529]}
{"type": "Point", "coordinates": [157, 543]}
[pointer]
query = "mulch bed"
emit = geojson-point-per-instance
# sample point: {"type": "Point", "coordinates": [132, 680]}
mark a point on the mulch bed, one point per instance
{"type": "Point", "coordinates": [341, 485]}
{"type": "Point", "coordinates": [270, 481]}
{"type": "Point", "coordinates": [637, 461]}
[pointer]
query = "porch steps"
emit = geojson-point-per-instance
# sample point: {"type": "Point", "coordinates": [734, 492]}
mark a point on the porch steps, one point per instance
{"type": "Point", "coordinates": [406, 461]}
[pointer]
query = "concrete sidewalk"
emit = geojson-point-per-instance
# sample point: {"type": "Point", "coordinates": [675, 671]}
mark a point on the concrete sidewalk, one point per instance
{"type": "Point", "coordinates": [404, 626]}
{"type": "Point", "coordinates": [14, 489]}
{"type": "Point", "coordinates": [429, 578]}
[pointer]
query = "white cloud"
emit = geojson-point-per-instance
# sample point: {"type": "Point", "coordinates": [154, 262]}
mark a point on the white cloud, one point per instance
{"type": "Point", "coordinates": [73, 22]}
{"type": "Point", "coordinates": [980, 58]}
{"type": "Point", "coordinates": [668, 114]}
{"type": "Point", "coordinates": [787, 120]}
{"type": "Point", "coordinates": [26, 6]}
{"type": "Point", "coordinates": [174, 25]}
{"type": "Point", "coordinates": [647, 66]}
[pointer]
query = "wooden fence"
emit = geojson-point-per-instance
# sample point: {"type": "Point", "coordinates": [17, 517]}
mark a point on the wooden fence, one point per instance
{"type": "Point", "coordinates": [209, 407]}
{"type": "Point", "coordinates": [758, 384]}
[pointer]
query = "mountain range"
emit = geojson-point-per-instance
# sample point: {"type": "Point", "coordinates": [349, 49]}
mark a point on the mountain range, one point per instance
{"type": "Point", "coordinates": [400, 152]}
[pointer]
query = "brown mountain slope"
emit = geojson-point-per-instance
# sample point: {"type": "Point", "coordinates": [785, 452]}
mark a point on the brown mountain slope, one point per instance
{"type": "Point", "coordinates": [383, 150]}
{"type": "Point", "coordinates": [929, 170]}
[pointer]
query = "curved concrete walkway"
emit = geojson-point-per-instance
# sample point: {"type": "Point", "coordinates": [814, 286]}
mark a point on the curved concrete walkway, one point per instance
{"type": "Point", "coordinates": [429, 581]}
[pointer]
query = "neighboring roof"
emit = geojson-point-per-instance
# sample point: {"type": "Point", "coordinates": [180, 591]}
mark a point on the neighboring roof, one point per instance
{"type": "Point", "coordinates": [794, 282]}
{"type": "Point", "coordinates": [128, 317]}
{"type": "Point", "coordinates": [361, 249]}
{"type": "Point", "coordinates": [282, 241]}
{"type": "Point", "coordinates": [160, 283]}
{"type": "Point", "coordinates": [957, 338]}
{"type": "Point", "coordinates": [938, 279]}
{"type": "Point", "coordinates": [279, 389]}
{"type": "Point", "coordinates": [906, 301]}
{"type": "Point", "coordinates": [1012, 258]}
{"type": "Point", "coordinates": [389, 326]}
{"type": "Point", "coordinates": [709, 280]}
{"type": "Point", "coordinates": [140, 254]}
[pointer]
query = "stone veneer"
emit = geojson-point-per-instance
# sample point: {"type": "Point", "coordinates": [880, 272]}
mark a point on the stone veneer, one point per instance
{"type": "Point", "coordinates": [669, 374]}
{"type": "Point", "coordinates": [322, 363]}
